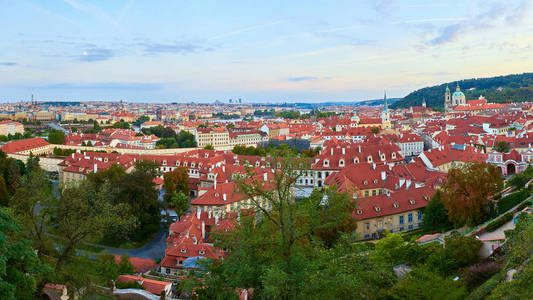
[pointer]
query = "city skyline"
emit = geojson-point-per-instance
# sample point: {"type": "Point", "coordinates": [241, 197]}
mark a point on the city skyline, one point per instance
{"type": "Point", "coordinates": [260, 52]}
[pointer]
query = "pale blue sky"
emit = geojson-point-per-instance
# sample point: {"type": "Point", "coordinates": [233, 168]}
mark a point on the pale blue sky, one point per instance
{"type": "Point", "coordinates": [272, 51]}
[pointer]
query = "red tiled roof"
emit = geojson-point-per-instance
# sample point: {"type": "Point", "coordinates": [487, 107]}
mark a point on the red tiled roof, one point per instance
{"type": "Point", "coordinates": [153, 286]}
{"type": "Point", "coordinates": [23, 145]}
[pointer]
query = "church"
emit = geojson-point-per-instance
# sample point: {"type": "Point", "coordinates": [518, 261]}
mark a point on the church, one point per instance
{"type": "Point", "coordinates": [455, 99]}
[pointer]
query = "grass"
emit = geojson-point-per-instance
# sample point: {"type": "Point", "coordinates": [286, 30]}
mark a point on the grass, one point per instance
{"type": "Point", "coordinates": [83, 247]}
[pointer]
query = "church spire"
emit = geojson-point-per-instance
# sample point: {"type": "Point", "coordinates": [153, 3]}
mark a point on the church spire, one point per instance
{"type": "Point", "coordinates": [385, 107]}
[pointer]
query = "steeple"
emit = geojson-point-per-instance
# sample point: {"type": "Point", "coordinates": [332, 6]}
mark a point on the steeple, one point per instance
{"type": "Point", "coordinates": [385, 107]}
{"type": "Point", "coordinates": [424, 102]}
{"type": "Point", "coordinates": [447, 88]}
{"type": "Point", "coordinates": [457, 89]}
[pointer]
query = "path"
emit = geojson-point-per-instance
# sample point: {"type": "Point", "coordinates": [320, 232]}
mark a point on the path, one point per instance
{"type": "Point", "coordinates": [155, 249]}
{"type": "Point", "coordinates": [494, 239]}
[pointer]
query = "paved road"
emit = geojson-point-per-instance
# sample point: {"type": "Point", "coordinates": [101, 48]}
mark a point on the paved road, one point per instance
{"type": "Point", "coordinates": [154, 249]}
{"type": "Point", "coordinates": [491, 239]}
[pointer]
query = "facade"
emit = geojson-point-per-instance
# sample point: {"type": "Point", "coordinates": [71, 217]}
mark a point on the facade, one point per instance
{"type": "Point", "coordinates": [410, 144]}
{"type": "Point", "coordinates": [511, 163]}
{"type": "Point", "coordinates": [11, 127]}
{"type": "Point", "coordinates": [458, 97]}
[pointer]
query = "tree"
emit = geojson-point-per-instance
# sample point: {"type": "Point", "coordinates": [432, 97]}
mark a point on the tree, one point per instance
{"type": "Point", "coordinates": [435, 215]}
{"type": "Point", "coordinates": [209, 147]}
{"type": "Point", "coordinates": [141, 120]}
{"type": "Point", "coordinates": [180, 202]}
{"type": "Point", "coordinates": [84, 214]}
{"type": "Point", "coordinates": [4, 196]}
{"type": "Point", "coordinates": [20, 268]}
{"type": "Point", "coordinates": [502, 147]}
{"type": "Point", "coordinates": [124, 265]}
{"type": "Point", "coordinates": [177, 181]}
{"type": "Point", "coordinates": [34, 206]}
{"type": "Point", "coordinates": [463, 250]}
{"type": "Point", "coordinates": [423, 283]}
{"type": "Point", "coordinates": [467, 192]}
{"type": "Point", "coordinates": [375, 130]}
{"type": "Point", "coordinates": [56, 136]}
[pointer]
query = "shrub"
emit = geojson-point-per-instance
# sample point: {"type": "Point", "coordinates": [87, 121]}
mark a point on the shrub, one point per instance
{"type": "Point", "coordinates": [511, 200]}
{"type": "Point", "coordinates": [128, 285]}
{"type": "Point", "coordinates": [483, 290]}
{"type": "Point", "coordinates": [477, 274]}
{"type": "Point", "coordinates": [499, 222]}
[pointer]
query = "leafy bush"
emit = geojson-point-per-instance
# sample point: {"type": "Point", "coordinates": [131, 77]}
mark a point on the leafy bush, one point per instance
{"type": "Point", "coordinates": [511, 200]}
{"type": "Point", "coordinates": [499, 222]}
{"type": "Point", "coordinates": [483, 290]}
{"type": "Point", "coordinates": [477, 274]}
{"type": "Point", "coordinates": [128, 285]}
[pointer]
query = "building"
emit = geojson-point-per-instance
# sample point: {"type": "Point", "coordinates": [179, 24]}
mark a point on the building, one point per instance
{"type": "Point", "coordinates": [35, 146]}
{"type": "Point", "coordinates": [511, 163]}
{"type": "Point", "coordinates": [458, 97]}
{"type": "Point", "coordinates": [11, 127]}
{"type": "Point", "coordinates": [410, 144]}
{"type": "Point", "coordinates": [395, 212]}
{"type": "Point", "coordinates": [447, 157]}
{"type": "Point", "coordinates": [75, 167]}
{"type": "Point", "coordinates": [155, 287]}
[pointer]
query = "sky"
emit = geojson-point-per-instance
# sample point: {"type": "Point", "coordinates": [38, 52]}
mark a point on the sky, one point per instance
{"type": "Point", "coordinates": [260, 51]}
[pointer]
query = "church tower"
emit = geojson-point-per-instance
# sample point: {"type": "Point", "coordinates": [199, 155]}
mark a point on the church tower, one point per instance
{"type": "Point", "coordinates": [385, 115]}
{"type": "Point", "coordinates": [447, 100]}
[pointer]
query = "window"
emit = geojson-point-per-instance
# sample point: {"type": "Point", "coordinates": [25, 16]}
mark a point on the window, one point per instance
{"type": "Point", "coordinates": [401, 228]}
{"type": "Point", "coordinates": [410, 218]}
{"type": "Point", "coordinates": [366, 193]}
{"type": "Point", "coordinates": [419, 216]}
{"type": "Point", "coordinates": [410, 227]}
{"type": "Point", "coordinates": [167, 271]}
{"type": "Point", "coordinates": [401, 221]}
{"type": "Point", "coordinates": [367, 226]}
{"type": "Point", "coordinates": [373, 192]}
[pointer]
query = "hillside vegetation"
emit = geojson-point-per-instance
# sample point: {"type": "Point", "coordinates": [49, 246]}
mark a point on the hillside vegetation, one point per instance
{"type": "Point", "coordinates": [515, 88]}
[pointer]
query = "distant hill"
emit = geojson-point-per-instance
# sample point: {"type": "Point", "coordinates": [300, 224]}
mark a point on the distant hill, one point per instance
{"type": "Point", "coordinates": [515, 88]}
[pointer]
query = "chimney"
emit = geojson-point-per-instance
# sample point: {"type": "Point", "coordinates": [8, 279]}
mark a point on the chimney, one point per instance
{"type": "Point", "coordinates": [72, 155]}
{"type": "Point", "coordinates": [203, 230]}
{"type": "Point", "coordinates": [216, 219]}
{"type": "Point", "coordinates": [265, 177]}
{"type": "Point", "coordinates": [408, 184]}
{"type": "Point", "coordinates": [224, 168]}
{"type": "Point", "coordinates": [194, 240]}
{"type": "Point", "coordinates": [187, 234]}
{"type": "Point", "coordinates": [215, 181]}
{"type": "Point", "coordinates": [373, 166]}
{"type": "Point", "coordinates": [198, 212]}
{"type": "Point", "coordinates": [359, 148]}
{"type": "Point", "coordinates": [95, 168]}
{"type": "Point", "coordinates": [331, 151]}
{"type": "Point", "coordinates": [224, 196]}
{"type": "Point", "coordinates": [343, 151]}
{"type": "Point", "coordinates": [383, 175]}
{"type": "Point", "coordinates": [402, 181]}
{"type": "Point", "coordinates": [209, 214]}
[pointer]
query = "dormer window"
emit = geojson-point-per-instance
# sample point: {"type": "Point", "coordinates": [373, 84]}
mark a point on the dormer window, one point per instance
{"type": "Point", "coordinates": [396, 205]}
{"type": "Point", "coordinates": [382, 156]}
{"type": "Point", "coordinates": [375, 181]}
{"type": "Point", "coordinates": [341, 162]}
{"type": "Point", "coordinates": [192, 165]}
{"type": "Point", "coordinates": [393, 154]}
{"type": "Point", "coordinates": [377, 208]}
{"type": "Point", "coordinates": [369, 159]}
{"type": "Point", "coordinates": [164, 163]}
{"type": "Point", "coordinates": [257, 163]}
{"type": "Point", "coordinates": [201, 252]}
{"type": "Point", "coordinates": [185, 163]}
{"type": "Point", "coordinates": [356, 160]}
{"type": "Point", "coordinates": [105, 159]}
{"type": "Point", "coordinates": [178, 163]}
{"type": "Point", "coordinates": [183, 251]}
{"type": "Point", "coordinates": [365, 182]}
{"type": "Point", "coordinates": [412, 201]}
{"type": "Point", "coordinates": [359, 212]}
{"type": "Point", "coordinates": [326, 163]}
{"type": "Point", "coordinates": [216, 195]}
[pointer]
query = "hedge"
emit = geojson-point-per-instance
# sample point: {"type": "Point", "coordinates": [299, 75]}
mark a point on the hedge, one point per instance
{"type": "Point", "coordinates": [499, 222]}
{"type": "Point", "coordinates": [486, 288]}
{"type": "Point", "coordinates": [511, 200]}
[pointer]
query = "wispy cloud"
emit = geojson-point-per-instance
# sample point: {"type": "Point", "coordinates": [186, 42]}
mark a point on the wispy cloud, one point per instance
{"type": "Point", "coordinates": [245, 29]}
{"type": "Point", "coordinates": [429, 20]}
{"type": "Point", "coordinates": [302, 78]}
{"type": "Point", "coordinates": [103, 86]}
{"type": "Point", "coordinates": [94, 11]}
{"type": "Point", "coordinates": [180, 47]}
{"type": "Point", "coordinates": [499, 13]}
{"type": "Point", "coordinates": [95, 54]}
{"type": "Point", "coordinates": [7, 63]}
